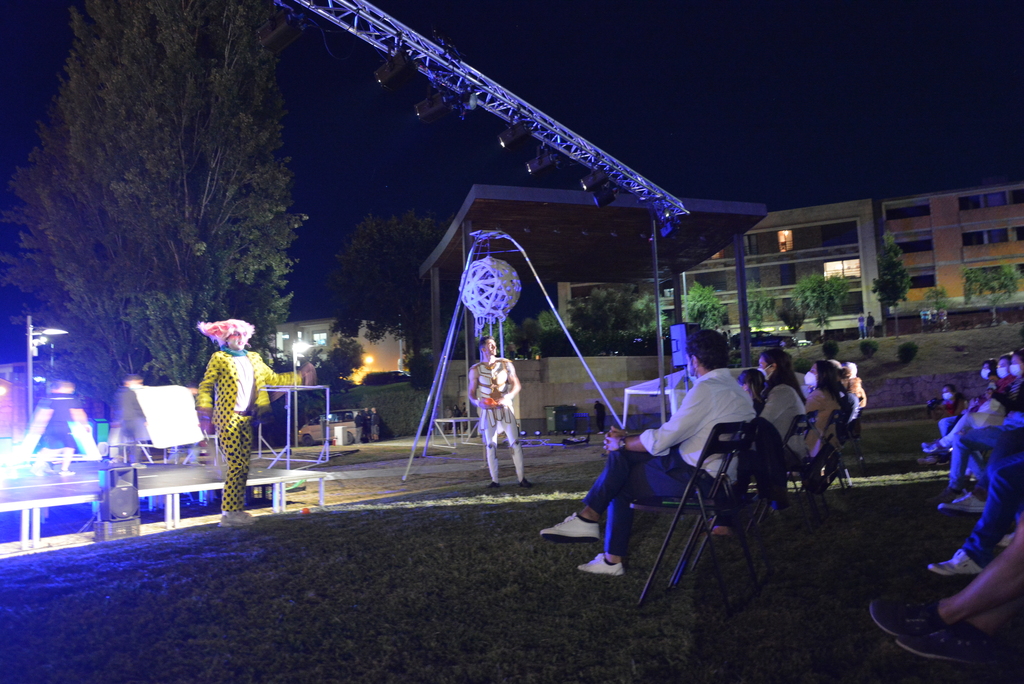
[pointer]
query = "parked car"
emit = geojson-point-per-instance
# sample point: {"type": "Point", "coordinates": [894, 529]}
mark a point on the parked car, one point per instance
{"type": "Point", "coordinates": [313, 432]}
{"type": "Point", "coordinates": [760, 338]}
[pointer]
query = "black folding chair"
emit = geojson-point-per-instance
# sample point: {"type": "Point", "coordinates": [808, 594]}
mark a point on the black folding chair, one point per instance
{"type": "Point", "coordinates": [799, 427]}
{"type": "Point", "coordinates": [726, 440]}
{"type": "Point", "coordinates": [837, 423]}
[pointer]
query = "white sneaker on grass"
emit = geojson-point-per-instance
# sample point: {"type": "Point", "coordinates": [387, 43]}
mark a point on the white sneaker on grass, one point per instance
{"type": "Point", "coordinates": [599, 566]}
{"type": "Point", "coordinates": [959, 564]}
{"type": "Point", "coordinates": [967, 503]}
{"type": "Point", "coordinates": [573, 530]}
{"type": "Point", "coordinates": [236, 519]}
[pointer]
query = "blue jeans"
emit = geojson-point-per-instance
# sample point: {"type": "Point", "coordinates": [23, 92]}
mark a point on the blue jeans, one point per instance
{"type": "Point", "coordinates": [631, 475]}
{"type": "Point", "coordinates": [966, 449]}
{"type": "Point", "coordinates": [1005, 499]}
{"type": "Point", "coordinates": [947, 424]}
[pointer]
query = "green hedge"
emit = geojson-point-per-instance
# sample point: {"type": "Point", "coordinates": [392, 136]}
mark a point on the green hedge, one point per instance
{"type": "Point", "coordinates": [400, 409]}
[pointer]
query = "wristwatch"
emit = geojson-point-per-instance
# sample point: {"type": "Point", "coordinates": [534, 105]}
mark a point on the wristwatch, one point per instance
{"type": "Point", "coordinates": [622, 443]}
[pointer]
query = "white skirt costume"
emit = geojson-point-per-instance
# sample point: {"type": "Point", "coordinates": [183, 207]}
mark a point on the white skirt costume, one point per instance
{"type": "Point", "coordinates": [493, 382]}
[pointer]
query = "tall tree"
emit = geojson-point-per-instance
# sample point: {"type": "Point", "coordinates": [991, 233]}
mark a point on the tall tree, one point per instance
{"type": "Point", "coordinates": [613, 319]}
{"type": "Point", "coordinates": [377, 282]}
{"type": "Point", "coordinates": [792, 317]}
{"type": "Point", "coordinates": [703, 307]}
{"type": "Point", "coordinates": [760, 306]}
{"type": "Point", "coordinates": [820, 298]}
{"type": "Point", "coordinates": [893, 281]}
{"type": "Point", "coordinates": [155, 199]}
{"type": "Point", "coordinates": [996, 285]}
{"type": "Point", "coordinates": [938, 297]}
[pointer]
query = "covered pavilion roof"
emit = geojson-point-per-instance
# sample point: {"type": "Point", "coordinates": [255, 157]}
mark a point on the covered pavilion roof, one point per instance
{"type": "Point", "coordinates": [569, 239]}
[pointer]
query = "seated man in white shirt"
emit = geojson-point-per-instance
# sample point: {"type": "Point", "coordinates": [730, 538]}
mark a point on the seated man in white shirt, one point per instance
{"type": "Point", "coordinates": [658, 462]}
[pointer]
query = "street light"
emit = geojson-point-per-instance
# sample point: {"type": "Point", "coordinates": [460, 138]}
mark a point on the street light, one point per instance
{"type": "Point", "coordinates": [35, 338]}
{"type": "Point", "coordinates": [298, 348]}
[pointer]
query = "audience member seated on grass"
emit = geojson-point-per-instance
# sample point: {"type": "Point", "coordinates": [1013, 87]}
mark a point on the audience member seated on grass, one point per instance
{"type": "Point", "coordinates": [960, 627]}
{"type": "Point", "coordinates": [1004, 501]}
{"type": "Point", "coordinates": [980, 412]}
{"type": "Point", "coordinates": [855, 388]}
{"type": "Point", "coordinates": [783, 399]}
{"type": "Point", "coordinates": [968, 447]}
{"type": "Point", "coordinates": [658, 462]}
{"type": "Point", "coordinates": [825, 395]}
{"type": "Point", "coordinates": [952, 406]}
{"type": "Point", "coordinates": [752, 382]}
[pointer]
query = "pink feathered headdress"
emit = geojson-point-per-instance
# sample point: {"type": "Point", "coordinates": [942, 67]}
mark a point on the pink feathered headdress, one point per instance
{"type": "Point", "coordinates": [219, 331]}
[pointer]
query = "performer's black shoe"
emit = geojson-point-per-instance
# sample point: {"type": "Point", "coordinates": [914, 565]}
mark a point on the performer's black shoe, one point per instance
{"type": "Point", "coordinates": [493, 485]}
{"type": "Point", "coordinates": [525, 484]}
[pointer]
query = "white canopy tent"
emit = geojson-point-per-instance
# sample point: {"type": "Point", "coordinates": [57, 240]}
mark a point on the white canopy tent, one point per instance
{"type": "Point", "coordinates": [675, 389]}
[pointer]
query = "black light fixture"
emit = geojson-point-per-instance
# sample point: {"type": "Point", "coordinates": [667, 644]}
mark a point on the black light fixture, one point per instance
{"type": "Point", "coordinates": [433, 108]}
{"type": "Point", "coordinates": [593, 180]}
{"type": "Point", "coordinates": [397, 71]}
{"type": "Point", "coordinates": [279, 31]}
{"type": "Point", "coordinates": [544, 163]}
{"type": "Point", "coordinates": [605, 195]}
{"type": "Point", "coordinates": [515, 135]}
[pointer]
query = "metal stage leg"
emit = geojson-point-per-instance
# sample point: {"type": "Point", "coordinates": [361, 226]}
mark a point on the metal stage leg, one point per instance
{"type": "Point", "coordinates": [36, 515]}
{"type": "Point", "coordinates": [278, 497]}
{"type": "Point", "coordinates": [321, 492]}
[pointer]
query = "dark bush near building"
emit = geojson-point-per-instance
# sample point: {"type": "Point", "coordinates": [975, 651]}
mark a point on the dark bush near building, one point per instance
{"type": "Point", "coordinates": [802, 365]}
{"type": "Point", "coordinates": [907, 351]}
{"type": "Point", "coordinates": [385, 378]}
{"type": "Point", "coordinates": [830, 349]}
{"type": "Point", "coordinates": [868, 348]}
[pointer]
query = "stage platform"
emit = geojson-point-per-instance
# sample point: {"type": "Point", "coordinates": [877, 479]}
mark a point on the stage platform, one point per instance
{"type": "Point", "coordinates": [30, 494]}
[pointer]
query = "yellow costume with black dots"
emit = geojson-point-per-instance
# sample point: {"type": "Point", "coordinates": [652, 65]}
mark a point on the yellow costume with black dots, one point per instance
{"type": "Point", "coordinates": [234, 430]}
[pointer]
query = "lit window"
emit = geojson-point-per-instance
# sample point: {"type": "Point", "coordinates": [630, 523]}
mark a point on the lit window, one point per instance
{"type": "Point", "coordinates": [849, 268]}
{"type": "Point", "coordinates": [320, 339]}
{"type": "Point", "coordinates": [718, 255]}
{"type": "Point", "coordinates": [785, 240]}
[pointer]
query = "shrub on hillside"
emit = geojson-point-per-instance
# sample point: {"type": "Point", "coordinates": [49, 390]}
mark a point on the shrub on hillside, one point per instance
{"type": "Point", "coordinates": [907, 351]}
{"type": "Point", "coordinates": [868, 348]}
{"type": "Point", "coordinates": [802, 365]}
{"type": "Point", "coordinates": [830, 349]}
{"type": "Point", "coordinates": [421, 368]}
{"type": "Point", "coordinates": [400, 410]}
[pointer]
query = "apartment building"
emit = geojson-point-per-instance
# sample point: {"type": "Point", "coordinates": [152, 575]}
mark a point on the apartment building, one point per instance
{"type": "Point", "coordinates": [385, 355]}
{"type": "Point", "coordinates": [942, 233]}
{"type": "Point", "coordinates": [831, 239]}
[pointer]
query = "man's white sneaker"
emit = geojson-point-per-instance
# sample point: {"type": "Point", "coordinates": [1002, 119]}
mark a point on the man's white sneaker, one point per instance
{"type": "Point", "coordinates": [599, 566]}
{"type": "Point", "coordinates": [960, 564]}
{"type": "Point", "coordinates": [236, 519]}
{"type": "Point", "coordinates": [968, 503]}
{"type": "Point", "coordinates": [573, 530]}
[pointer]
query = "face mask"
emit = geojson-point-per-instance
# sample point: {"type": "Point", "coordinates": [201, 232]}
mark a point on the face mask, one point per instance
{"type": "Point", "coordinates": [763, 372]}
{"type": "Point", "coordinates": [810, 379]}
{"type": "Point", "coordinates": [947, 396]}
{"type": "Point", "coordinates": [1002, 371]}
{"type": "Point", "coordinates": [1015, 369]}
{"type": "Point", "coordinates": [985, 372]}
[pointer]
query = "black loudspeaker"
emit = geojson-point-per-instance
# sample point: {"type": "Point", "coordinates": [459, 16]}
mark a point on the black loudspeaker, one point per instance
{"type": "Point", "coordinates": [119, 493]}
{"type": "Point", "coordinates": [679, 333]}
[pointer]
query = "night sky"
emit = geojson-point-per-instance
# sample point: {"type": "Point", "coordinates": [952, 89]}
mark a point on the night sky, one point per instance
{"type": "Point", "coordinates": [788, 104]}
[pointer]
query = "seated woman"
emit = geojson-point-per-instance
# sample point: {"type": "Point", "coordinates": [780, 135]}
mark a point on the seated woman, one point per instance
{"type": "Point", "coordinates": [982, 411]}
{"type": "Point", "coordinates": [752, 382]}
{"type": "Point", "coordinates": [825, 397]}
{"type": "Point", "coordinates": [783, 399]}
{"type": "Point", "coordinates": [853, 386]}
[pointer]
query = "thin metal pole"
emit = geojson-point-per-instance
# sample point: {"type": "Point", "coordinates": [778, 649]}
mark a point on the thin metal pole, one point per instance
{"type": "Point", "coordinates": [28, 368]}
{"type": "Point", "coordinates": [657, 316]}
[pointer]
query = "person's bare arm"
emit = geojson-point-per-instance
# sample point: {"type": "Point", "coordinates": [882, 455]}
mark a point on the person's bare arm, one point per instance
{"type": "Point", "coordinates": [516, 385]}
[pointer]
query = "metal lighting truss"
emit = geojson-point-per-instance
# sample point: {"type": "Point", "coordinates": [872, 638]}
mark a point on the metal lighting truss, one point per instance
{"type": "Point", "coordinates": [449, 74]}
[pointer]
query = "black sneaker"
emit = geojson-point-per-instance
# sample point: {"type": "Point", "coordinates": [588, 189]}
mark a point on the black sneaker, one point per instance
{"type": "Point", "coordinates": [525, 484]}
{"type": "Point", "coordinates": [493, 485]}
{"type": "Point", "coordinates": [962, 643]}
{"type": "Point", "coordinates": [947, 495]}
{"type": "Point", "coordinates": [904, 619]}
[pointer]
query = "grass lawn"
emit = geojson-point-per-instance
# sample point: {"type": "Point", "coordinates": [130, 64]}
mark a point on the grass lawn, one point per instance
{"type": "Point", "coordinates": [455, 585]}
{"type": "Point", "coordinates": [947, 352]}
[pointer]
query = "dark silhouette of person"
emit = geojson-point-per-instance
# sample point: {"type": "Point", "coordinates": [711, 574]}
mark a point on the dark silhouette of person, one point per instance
{"type": "Point", "coordinates": [599, 415]}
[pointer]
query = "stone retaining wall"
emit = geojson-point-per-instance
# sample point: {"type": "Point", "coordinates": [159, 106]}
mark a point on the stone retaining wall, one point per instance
{"type": "Point", "coordinates": [897, 392]}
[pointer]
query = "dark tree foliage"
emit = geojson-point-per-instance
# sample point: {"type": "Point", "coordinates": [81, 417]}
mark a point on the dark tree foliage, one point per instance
{"type": "Point", "coordinates": [377, 283]}
{"type": "Point", "coordinates": [614, 319]}
{"type": "Point", "coordinates": [893, 281]}
{"type": "Point", "coordinates": [155, 199]}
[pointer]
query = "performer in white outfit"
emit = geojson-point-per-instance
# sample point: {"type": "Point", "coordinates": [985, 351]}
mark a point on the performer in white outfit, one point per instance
{"type": "Point", "coordinates": [492, 385]}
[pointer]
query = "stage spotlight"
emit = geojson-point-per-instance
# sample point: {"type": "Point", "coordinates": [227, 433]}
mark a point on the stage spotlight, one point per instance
{"type": "Point", "coordinates": [396, 72]}
{"type": "Point", "coordinates": [593, 180]}
{"type": "Point", "coordinates": [515, 135]}
{"type": "Point", "coordinates": [280, 31]}
{"type": "Point", "coordinates": [543, 164]}
{"type": "Point", "coordinates": [433, 108]}
{"type": "Point", "coordinates": [605, 195]}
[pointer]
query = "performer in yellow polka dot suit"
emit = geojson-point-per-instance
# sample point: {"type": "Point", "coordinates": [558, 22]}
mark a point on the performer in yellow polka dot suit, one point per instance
{"type": "Point", "coordinates": [237, 379]}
